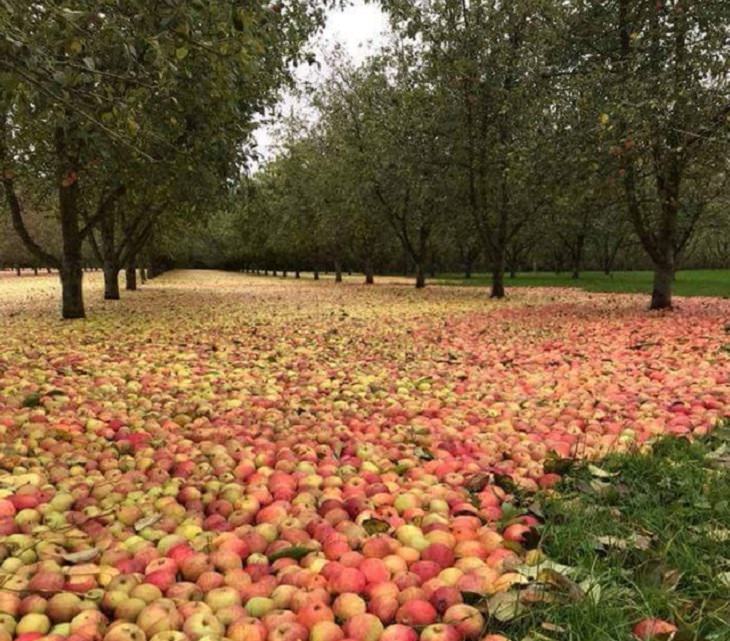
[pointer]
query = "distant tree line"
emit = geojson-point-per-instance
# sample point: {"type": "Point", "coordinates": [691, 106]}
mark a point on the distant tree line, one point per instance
{"type": "Point", "coordinates": [118, 122]}
{"type": "Point", "coordinates": [499, 136]}
{"type": "Point", "coordinates": [505, 136]}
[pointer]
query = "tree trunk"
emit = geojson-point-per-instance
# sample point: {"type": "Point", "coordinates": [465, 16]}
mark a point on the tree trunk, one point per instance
{"type": "Point", "coordinates": [316, 275]}
{"type": "Point", "coordinates": [111, 281]}
{"type": "Point", "coordinates": [468, 266]}
{"type": "Point", "coordinates": [35, 271]}
{"type": "Point", "coordinates": [72, 274]}
{"type": "Point", "coordinates": [297, 275]}
{"type": "Point", "coordinates": [130, 275]}
{"type": "Point", "coordinates": [578, 256]}
{"type": "Point", "coordinates": [338, 272]}
{"type": "Point", "coordinates": [420, 276]}
{"type": "Point", "coordinates": [369, 272]}
{"type": "Point", "coordinates": [273, 273]}
{"type": "Point", "coordinates": [17, 271]}
{"type": "Point", "coordinates": [142, 275]}
{"type": "Point", "coordinates": [661, 296]}
{"type": "Point", "coordinates": [498, 277]}
{"type": "Point", "coordinates": [72, 296]}
{"type": "Point", "coordinates": [283, 273]}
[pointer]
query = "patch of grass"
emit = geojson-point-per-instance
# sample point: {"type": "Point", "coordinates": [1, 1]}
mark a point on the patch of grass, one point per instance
{"type": "Point", "coordinates": [701, 282]}
{"type": "Point", "coordinates": [646, 535]}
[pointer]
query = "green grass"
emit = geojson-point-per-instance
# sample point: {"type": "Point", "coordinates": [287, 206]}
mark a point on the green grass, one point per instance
{"type": "Point", "coordinates": [667, 514]}
{"type": "Point", "coordinates": [701, 282]}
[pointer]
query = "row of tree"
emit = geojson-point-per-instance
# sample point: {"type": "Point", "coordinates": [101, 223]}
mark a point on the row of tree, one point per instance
{"type": "Point", "coordinates": [529, 133]}
{"type": "Point", "coordinates": [118, 119]}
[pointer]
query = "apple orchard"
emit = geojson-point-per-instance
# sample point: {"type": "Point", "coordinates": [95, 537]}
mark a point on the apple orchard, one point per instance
{"type": "Point", "coordinates": [250, 459]}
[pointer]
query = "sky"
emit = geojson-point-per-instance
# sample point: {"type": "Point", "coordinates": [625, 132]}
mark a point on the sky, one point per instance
{"type": "Point", "coordinates": [358, 28]}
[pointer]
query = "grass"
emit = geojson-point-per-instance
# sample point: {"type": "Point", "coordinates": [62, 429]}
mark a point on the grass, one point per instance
{"type": "Point", "coordinates": [700, 282]}
{"type": "Point", "coordinates": [645, 535]}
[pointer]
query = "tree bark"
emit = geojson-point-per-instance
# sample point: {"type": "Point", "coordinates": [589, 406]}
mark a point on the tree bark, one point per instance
{"type": "Point", "coordinates": [71, 272]}
{"type": "Point", "coordinates": [297, 275]}
{"type": "Point", "coordinates": [420, 276]}
{"type": "Point", "coordinates": [338, 272]}
{"type": "Point", "coordinates": [110, 266]}
{"type": "Point", "coordinates": [498, 277]}
{"type": "Point", "coordinates": [72, 297]}
{"type": "Point", "coordinates": [661, 296]}
{"type": "Point", "coordinates": [369, 272]}
{"type": "Point", "coordinates": [142, 275]}
{"type": "Point", "coordinates": [111, 281]}
{"type": "Point", "coordinates": [316, 275]}
{"type": "Point", "coordinates": [17, 271]}
{"type": "Point", "coordinates": [468, 264]}
{"type": "Point", "coordinates": [578, 256]}
{"type": "Point", "coordinates": [130, 275]}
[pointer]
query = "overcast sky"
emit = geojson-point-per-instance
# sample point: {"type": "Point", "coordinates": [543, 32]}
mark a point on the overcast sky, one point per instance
{"type": "Point", "coordinates": [358, 28]}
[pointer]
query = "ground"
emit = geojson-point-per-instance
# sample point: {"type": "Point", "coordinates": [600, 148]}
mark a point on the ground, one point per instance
{"type": "Point", "coordinates": [254, 433]}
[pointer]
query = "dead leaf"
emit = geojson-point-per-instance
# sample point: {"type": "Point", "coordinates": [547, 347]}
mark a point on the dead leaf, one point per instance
{"type": "Point", "coordinates": [565, 585]}
{"type": "Point", "coordinates": [505, 606]}
{"type": "Point", "coordinates": [81, 557]}
{"type": "Point", "coordinates": [146, 522]}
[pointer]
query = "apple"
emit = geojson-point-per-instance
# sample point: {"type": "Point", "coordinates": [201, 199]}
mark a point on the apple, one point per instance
{"type": "Point", "coordinates": [129, 610]}
{"type": "Point", "coordinates": [654, 630]}
{"type": "Point", "coordinates": [288, 631]}
{"type": "Point", "coordinates": [219, 598]}
{"type": "Point", "coordinates": [398, 632]}
{"type": "Point", "coordinates": [348, 605]}
{"type": "Point", "coordinates": [440, 632]}
{"type": "Point", "coordinates": [363, 627]}
{"type": "Point", "coordinates": [247, 629]}
{"type": "Point", "coordinates": [33, 622]}
{"type": "Point", "coordinates": [159, 616]}
{"type": "Point", "coordinates": [326, 631]}
{"type": "Point", "coordinates": [313, 613]}
{"type": "Point", "coordinates": [124, 631]}
{"type": "Point", "coordinates": [202, 624]}
{"type": "Point", "coordinates": [259, 606]}
{"type": "Point", "coordinates": [169, 635]}
{"type": "Point", "coordinates": [416, 612]}
{"type": "Point", "coordinates": [467, 620]}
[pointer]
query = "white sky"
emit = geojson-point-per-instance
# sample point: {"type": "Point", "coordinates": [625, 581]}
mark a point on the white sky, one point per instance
{"type": "Point", "coordinates": [359, 29]}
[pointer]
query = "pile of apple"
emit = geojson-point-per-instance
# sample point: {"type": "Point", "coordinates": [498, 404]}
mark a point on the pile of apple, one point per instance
{"type": "Point", "coordinates": [174, 477]}
{"type": "Point", "coordinates": [193, 530]}
{"type": "Point", "coordinates": [198, 530]}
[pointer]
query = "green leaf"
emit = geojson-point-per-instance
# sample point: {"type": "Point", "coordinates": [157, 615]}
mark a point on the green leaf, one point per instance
{"type": "Point", "coordinates": [375, 526]}
{"type": "Point", "coordinates": [472, 598]}
{"type": "Point", "coordinates": [181, 53]}
{"type": "Point", "coordinates": [600, 473]}
{"type": "Point", "coordinates": [424, 454]}
{"type": "Point", "coordinates": [296, 552]}
{"type": "Point", "coordinates": [32, 400]}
